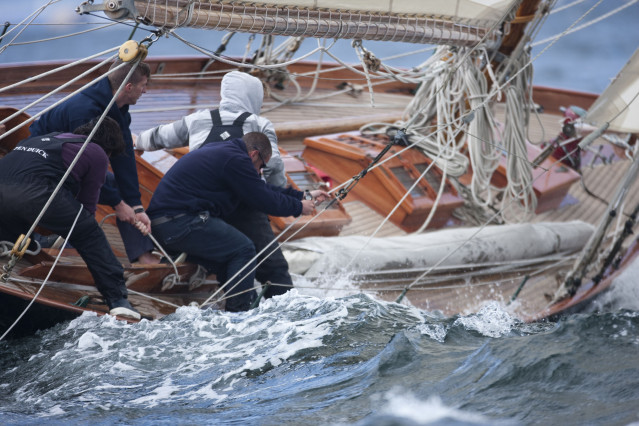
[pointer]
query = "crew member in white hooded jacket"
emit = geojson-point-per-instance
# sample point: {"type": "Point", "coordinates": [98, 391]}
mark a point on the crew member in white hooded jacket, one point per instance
{"type": "Point", "coordinates": [240, 93]}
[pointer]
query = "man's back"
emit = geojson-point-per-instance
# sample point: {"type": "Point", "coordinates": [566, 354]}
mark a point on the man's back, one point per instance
{"type": "Point", "coordinates": [216, 178]}
{"type": "Point", "coordinates": [82, 108]}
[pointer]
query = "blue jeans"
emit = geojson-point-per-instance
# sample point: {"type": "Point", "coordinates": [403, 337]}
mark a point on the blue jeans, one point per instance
{"type": "Point", "coordinates": [218, 247]}
{"type": "Point", "coordinates": [135, 243]}
{"type": "Point", "coordinates": [274, 268]}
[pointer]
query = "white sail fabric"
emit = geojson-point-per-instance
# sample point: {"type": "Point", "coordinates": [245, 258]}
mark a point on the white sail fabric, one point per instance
{"type": "Point", "coordinates": [315, 256]}
{"type": "Point", "coordinates": [620, 100]}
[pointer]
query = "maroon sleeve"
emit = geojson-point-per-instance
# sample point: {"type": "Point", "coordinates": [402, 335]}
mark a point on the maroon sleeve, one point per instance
{"type": "Point", "coordinates": [89, 171]}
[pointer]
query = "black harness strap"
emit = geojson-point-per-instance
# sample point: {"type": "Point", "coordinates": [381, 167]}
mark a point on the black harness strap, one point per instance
{"type": "Point", "coordinates": [239, 121]}
{"type": "Point", "coordinates": [220, 132]}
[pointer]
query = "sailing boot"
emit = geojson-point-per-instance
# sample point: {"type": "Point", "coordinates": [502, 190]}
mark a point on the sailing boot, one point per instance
{"type": "Point", "coordinates": [123, 308]}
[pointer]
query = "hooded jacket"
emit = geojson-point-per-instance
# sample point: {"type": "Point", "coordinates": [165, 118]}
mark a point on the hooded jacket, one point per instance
{"type": "Point", "coordinates": [240, 93]}
{"type": "Point", "coordinates": [79, 110]}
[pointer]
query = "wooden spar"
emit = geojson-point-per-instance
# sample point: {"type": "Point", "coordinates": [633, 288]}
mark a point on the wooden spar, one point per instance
{"type": "Point", "coordinates": [298, 22]}
{"type": "Point", "coordinates": [292, 130]}
{"type": "Point", "coordinates": [525, 14]}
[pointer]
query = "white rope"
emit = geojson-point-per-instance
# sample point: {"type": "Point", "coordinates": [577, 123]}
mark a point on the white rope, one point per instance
{"type": "Point", "coordinates": [49, 94]}
{"type": "Point", "coordinates": [567, 6]}
{"type": "Point", "coordinates": [61, 68]}
{"type": "Point", "coordinates": [519, 189]}
{"type": "Point", "coordinates": [22, 43]}
{"type": "Point", "coordinates": [32, 118]}
{"type": "Point", "coordinates": [33, 16]}
{"type": "Point", "coordinates": [587, 24]}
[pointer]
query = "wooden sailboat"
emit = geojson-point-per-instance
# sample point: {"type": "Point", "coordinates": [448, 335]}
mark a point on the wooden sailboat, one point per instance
{"type": "Point", "coordinates": [405, 189]}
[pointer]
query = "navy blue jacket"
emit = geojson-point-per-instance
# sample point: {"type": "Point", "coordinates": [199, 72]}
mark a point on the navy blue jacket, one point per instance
{"type": "Point", "coordinates": [216, 178]}
{"type": "Point", "coordinates": [82, 108]}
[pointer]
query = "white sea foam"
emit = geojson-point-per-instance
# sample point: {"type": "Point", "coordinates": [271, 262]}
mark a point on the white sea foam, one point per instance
{"type": "Point", "coordinates": [160, 393]}
{"type": "Point", "coordinates": [404, 404]}
{"type": "Point", "coordinates": [198, 354]}
{"type": "Point", "coordinates": [491, 320]}
{"type": "Point", "coordinates": [89, 340]}
{"type": "Point", "coordinates": [53, 411]}
{"type": "Point", "coordinates": [624, 292]}
{"type": "Point", "coordinates": [434, 331]}
{"type": "Point", "coordinates": [333, 285]}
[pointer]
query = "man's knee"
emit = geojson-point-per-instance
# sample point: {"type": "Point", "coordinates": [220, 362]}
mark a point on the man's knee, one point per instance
{"type": "Point", "coordinates": [246, 249]}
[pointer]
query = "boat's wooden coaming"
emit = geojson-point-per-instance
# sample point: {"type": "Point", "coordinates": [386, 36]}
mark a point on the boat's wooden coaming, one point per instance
{"type": "Point", "coordinates": [343, 112]}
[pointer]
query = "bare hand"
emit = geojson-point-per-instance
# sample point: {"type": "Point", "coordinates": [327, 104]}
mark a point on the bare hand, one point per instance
{"type": "Point", "coordinates": [320, 196]}
{"type": "Point", "coordinates": [308, 207]}
{"type": "Point", "coordinates": [125, 213]}
{"type": "Point", "coordinates": [143, 223]}
{"type": "Point", "coordinates": [142, 228]}
{"type": "Point", "coordinates": [134, 138]}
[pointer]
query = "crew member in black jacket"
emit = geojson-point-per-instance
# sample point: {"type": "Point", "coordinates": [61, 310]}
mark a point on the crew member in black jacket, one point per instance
{"type": "Point", "coordinates": [30, 173]}
{"type": "Point", "coordinates": [202, 190]}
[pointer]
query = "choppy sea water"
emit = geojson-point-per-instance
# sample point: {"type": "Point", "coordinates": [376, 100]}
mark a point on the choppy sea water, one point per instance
{"type": "Point", "coordinates": [301, 359]}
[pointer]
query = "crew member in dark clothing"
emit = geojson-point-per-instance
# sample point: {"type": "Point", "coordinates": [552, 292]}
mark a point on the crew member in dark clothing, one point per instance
{"type": "Point", "coordinates": [240, 104]}
{"type": "Point", "coordinates": [30, 173]}
{"type": "Point", "coordinates": [195, 198]}
{"type": "Point", "coordinates": [121, 190]}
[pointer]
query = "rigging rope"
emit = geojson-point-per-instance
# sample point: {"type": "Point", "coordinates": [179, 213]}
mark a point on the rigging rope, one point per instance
{"type": "Point", "coordinates": [571, 30]}
{"type": "Point", "coordinates": [33, 16]}
{"type": "Point", "coordinates": [46, 279]}
{"type": "Point", "coordinates": [49, 94]}
{"type": "Point", "coordinates": [341, 194]}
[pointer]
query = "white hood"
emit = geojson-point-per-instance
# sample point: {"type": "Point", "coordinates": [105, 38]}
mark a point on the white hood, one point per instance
{"type": "Point", "coordinates": [241, 92]}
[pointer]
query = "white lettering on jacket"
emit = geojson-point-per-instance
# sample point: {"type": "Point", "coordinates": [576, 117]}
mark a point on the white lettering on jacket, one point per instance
{"type": "Point", "coordinates": [38, 151]}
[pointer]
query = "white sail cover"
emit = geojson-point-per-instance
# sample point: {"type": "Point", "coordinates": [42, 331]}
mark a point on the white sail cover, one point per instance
{"type": "Point", "coordinates": [315, 256]}
{"type": "Point", "coordinates": [620, 100]}
{"type": "Point", "coordinates": [455, 22]}
{"type": "Point", "coordinates": [475, 11]}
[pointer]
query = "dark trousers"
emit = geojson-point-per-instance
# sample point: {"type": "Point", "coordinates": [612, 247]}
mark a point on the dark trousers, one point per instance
{"type": "Point", "coordinates": [274, 268]}
{"type": "Point", "coordinates": [217, 246]}
{"type": "Point", "coordinates": [20, 204]}
{"type": "Point", "coordinates": [135, 243]}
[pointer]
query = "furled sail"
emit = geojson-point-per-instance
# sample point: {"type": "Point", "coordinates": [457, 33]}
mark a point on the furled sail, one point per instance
{"type": "Point", "coordinates": [314, 256]}
{"type": "Point", "coordinates": [459, 22]}
{"type": "Point", "coordinates": [619, 103]}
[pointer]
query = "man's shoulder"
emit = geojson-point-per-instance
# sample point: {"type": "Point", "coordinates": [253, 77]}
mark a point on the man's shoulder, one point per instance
{"type": "Point", "coordinates": [230, 146]}
{"type": "Point", "coordinates": [98, 95]}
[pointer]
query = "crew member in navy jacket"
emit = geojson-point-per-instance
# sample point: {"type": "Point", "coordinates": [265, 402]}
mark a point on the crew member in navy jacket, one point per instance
{"type": "Point", "coordinates": [30, 173]}
{"type": "Point", "coordinates": [121, 190]}
{"type": "Point", "coordinates": [205, 187]}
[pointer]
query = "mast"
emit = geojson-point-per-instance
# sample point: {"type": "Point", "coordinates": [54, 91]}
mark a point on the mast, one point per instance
{"type": "Point", "coordinates": [515, 30]}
